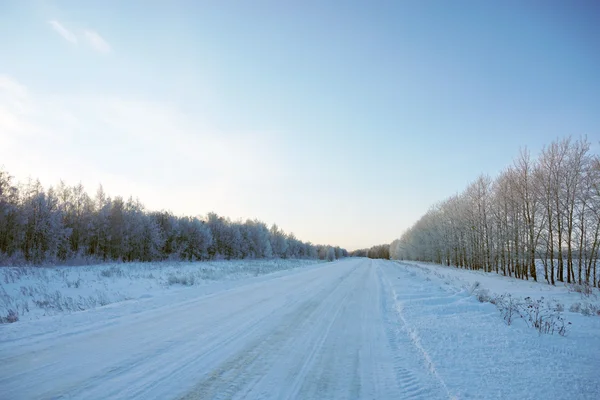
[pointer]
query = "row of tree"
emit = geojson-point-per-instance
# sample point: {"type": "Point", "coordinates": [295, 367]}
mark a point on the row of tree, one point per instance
{"type": "Point", "coordinates": [543, 211]}
{"type": "Point", "coordinates": [64, 224]}
{"type": "Point", "coordinates": [379, 251]}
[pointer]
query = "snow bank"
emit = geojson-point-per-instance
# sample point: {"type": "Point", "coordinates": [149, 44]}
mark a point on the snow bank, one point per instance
{"type": "Point", "coordinates": [474, 353]}
{"type": "Point", "coordinates": [493, 285]}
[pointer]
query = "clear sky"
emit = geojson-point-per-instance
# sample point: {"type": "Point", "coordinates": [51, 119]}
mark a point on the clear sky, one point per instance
{"type": "Point", "coordinates": [340, 121]}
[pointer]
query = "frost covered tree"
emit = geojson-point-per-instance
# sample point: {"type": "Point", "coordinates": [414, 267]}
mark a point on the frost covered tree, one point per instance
{"type": "Point", "coordinates": [44, 232]}
{"type": "Point", "coordinates": [379, 251]}
{"type": "Point", "coordinates": [279, 244]}
{"type": "Point", "coordinates": [11, 219]}
{"type": "Point", "coordinates": [65, 224]}
{"type": "Point", "coordinates": [195, 239]}
{"type": "Point", "coordinates": [543, 209]}
{"type": "Point", "coordinates": [330, 256]}
{"type": "Point", "coordinates": [259, 243]}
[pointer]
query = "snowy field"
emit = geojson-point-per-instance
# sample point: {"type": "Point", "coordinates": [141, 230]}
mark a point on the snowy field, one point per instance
{"type": "Point", "coordinates": [352, 329]}
{"type": "Point", "coordinates": [477, 354]}
{"type": "Point", "coordinates": [32, 292]}
{"type": "Point", "coordinates": [567, 298]}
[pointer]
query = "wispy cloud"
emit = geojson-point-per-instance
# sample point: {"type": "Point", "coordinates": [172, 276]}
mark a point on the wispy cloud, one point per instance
{"type": "Point", "coordinates": [93, 38]}
{"type": "Point", "coordinates": [62, 31]}
{"type": "Point", "coordinates": [97, 41]}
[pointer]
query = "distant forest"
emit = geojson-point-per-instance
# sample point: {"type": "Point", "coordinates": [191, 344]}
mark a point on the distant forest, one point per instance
{"type": "Point", "coordinates": [64, 225]}
{"type": "Point", "coordinates": [378, 251]}
{"type": "Point", "coordinates": [543, 210]}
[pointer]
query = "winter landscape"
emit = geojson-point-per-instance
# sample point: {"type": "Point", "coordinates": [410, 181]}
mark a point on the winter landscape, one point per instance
{"type": "Point", "coordinates": [353, 328]}
{"type": "Point", "coordinates": [279, 200]}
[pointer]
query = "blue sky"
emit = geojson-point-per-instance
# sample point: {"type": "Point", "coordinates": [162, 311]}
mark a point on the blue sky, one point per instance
{"type": "Point", "coordinates": [340, 121]}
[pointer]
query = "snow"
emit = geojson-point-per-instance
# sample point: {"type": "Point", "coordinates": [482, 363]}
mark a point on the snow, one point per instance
{"type": "Point", "coordinates": [496, 284]}
{"type": "Point", "coordinates": [352, 329]}
{"type": "Point", "coordinates": [36, 292]}
{"type": "Point", "coordinates": [476, 355]}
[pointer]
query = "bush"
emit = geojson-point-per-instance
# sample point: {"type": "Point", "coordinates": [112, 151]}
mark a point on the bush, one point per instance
{"type": "Point", "coordinates": [484, 296]}
{"type": "Point", "coordinates": [112, 271]}
{"type": "Point", "coordinates": [543, 317]}
{"type": "Point", "coordinates": [188, 280]}
{"type": "Point", "coordinates": [557, 306]}
{"type": "Point", "coordinates": [587, 309]}
{"type": "Point", "coordinates": [508, 307]}
{"type": "Point", "coordinates": [11, 317]}
{"type": "Point", "coordinates": [74, 284]}
{"type": "Point", "coordinates": [582, 288]}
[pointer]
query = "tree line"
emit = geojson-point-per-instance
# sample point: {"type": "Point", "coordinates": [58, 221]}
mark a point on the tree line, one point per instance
{"type": "Point", "coordinates": [542, 211]}
{"type": "Point", "coordinates": [65, 225]}
{"type": "Point", "coordinates": [378, 251]}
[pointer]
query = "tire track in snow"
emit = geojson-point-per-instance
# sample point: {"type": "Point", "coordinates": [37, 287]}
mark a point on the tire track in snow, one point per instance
{"type": "Point", "coordinates": [304, 371]}
{"type": "Point", "coordinates": [404, 336]}
{"type": "Point", "coordinates": [333, 352]}
{"type": "Point", "coordinates": [238, 375]}
{"type": "Point", "coordinates": [199, 360]}
{"type": "Point", "coordinates": [231, 376]}
{"type": "Point", "coordinates": [173, 343]}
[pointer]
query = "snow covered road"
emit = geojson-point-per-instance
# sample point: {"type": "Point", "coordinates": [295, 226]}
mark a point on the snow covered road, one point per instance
{"type": "Point", "coordinates": [335, 331]}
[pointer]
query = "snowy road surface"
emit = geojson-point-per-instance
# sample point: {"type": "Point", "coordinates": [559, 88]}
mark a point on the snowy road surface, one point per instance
{"type": "Point", "coordinates": [354, 329]}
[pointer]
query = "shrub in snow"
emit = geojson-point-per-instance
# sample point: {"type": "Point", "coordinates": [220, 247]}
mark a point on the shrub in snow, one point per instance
{"type": "Point", "coordinates": [562, 326]}
{"type": "Point", "coordinates": [74, 284]}
{"type": "Point", "coordinates": [557, 306]}
{"type": "Point", "coordinates": [508, 307]}
{"type": "Point", "coordinates": [185, 280]}
{"type": "Point", "coordinates": [11, 317]}
{"type": "Point", "coordinates": [484, 296]}
{"type": "Point", "coordinates": [56, 302]}
{"type": "Point", "coordinates": [589, 309]}
{"type": "Point", "coordinates": [543, 317]}
{"type": "Point", "coordinates": [582, 288]}
{"type": "Point", "coordinates": [102, 298]}
{"type": "Point", "coordinates": [27, 290]}
{"type": "Point", "coordinates": [113, 271]}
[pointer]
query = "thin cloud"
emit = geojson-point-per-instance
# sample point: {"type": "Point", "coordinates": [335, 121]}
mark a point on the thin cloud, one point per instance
{"type": "Point", "coordinates": [97, 41]}
{"type": "Point", "coordinates": [62, 31]}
